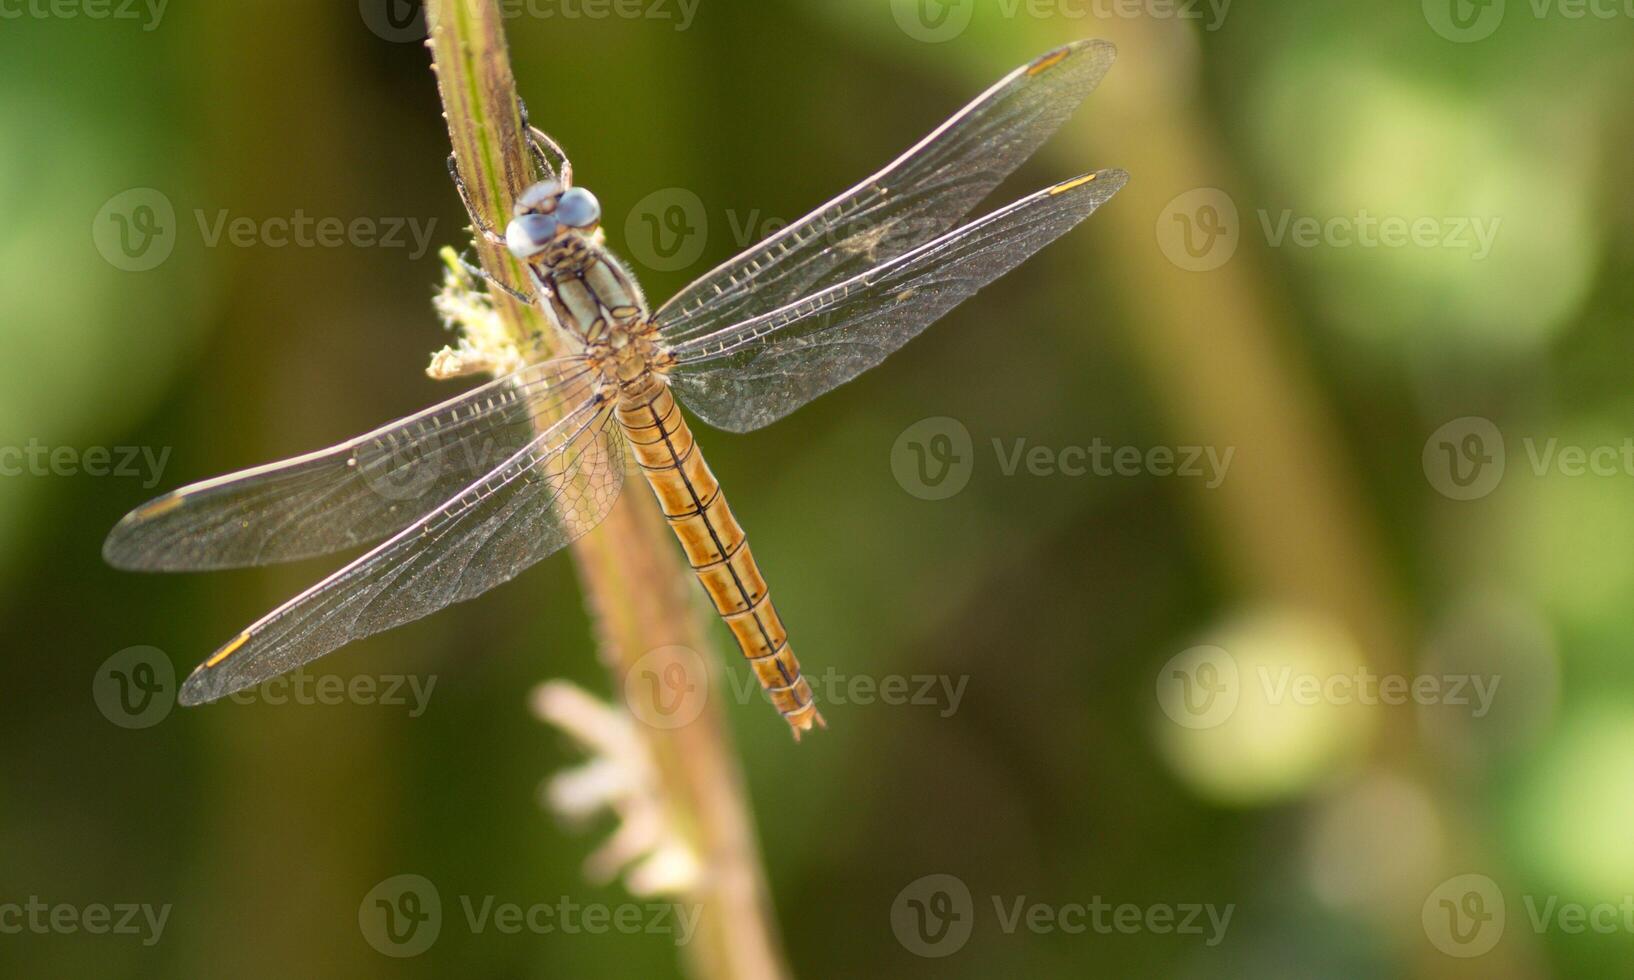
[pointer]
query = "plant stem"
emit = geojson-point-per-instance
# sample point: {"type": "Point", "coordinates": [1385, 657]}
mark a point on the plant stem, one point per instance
{"type": "Point", "coordinates": [639, 593]}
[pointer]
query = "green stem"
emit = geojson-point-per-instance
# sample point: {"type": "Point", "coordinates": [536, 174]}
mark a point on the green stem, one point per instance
{"type": "Point", "coordinates": [639, 593]}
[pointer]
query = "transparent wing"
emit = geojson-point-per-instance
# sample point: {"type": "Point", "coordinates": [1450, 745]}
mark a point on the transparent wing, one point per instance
{"type": "Point", "coordinates": [355, 493]}
{"type": "Point", "coordinates": [552, 491]}
{"type": "Point", "coordinates": [756, 372]}
{"type": "Point", "coordinates": [920, 195]}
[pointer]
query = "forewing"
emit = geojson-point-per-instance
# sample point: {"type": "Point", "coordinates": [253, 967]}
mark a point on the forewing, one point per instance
{"type": "Point", "coordinates": [352, 494]}
{"type": "Point", "coordinates": [917, 197]}
{"type": "Point", "coordinates": [754, 373]}
{"type": "Point", "coordinates": [553, 490]}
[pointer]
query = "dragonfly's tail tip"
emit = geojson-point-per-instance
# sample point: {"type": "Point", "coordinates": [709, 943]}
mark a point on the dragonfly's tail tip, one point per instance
{"type": "Point", "coordinates": [801, 721]}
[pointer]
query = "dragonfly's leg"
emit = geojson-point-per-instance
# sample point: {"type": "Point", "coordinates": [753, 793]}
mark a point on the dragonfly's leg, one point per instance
{"type": "Point", "coordinates": [493, 282]}
{"type": "Point", "coordinates": [538, 142]}
{"type": "Point", "coordinates": [478, 225]}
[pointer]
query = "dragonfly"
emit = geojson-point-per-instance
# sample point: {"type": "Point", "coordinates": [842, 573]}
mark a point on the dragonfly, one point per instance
{"type": "Point", "coordinates": [465, 495]}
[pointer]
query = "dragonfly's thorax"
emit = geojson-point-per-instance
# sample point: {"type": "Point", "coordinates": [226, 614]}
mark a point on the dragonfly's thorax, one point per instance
{"type": "Point", "coordinates": [628, 356]}
{"type": "Point", "coordinates": [592, 294]}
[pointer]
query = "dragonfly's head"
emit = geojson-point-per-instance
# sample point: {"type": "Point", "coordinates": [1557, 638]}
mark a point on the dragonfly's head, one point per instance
{"type": "Point", "coordinates": [548, 211]}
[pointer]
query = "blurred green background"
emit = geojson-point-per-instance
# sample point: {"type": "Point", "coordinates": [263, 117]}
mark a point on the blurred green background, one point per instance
{"type": "Point", "coordinates": [1407, 497]}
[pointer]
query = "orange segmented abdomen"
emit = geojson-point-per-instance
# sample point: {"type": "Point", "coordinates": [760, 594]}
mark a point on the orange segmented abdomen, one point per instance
{"type": "Point", "coordinates": [715, 544]}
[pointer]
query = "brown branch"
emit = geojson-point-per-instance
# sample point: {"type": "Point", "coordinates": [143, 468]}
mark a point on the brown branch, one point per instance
{"type": "Point", "coordinates": [639, 593]}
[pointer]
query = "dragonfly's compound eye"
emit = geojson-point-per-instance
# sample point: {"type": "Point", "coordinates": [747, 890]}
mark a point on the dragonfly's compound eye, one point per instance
{"type": "Point", "coordinates": [578, 208]}
{"type": "Point", "coordinates": [528, 235]}
{"type": "Point", "coordinates": [541, 197]}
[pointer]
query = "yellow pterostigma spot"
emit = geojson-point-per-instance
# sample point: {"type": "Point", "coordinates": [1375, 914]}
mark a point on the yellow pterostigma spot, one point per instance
{"type": "Point", "coordinates": [1062, 188]}
{"type": "Point", "coordinates": [227, 650]}
{"type": "Point", "coordinates": [161, 506]}
{"type": "Point", "coordinates": [1048, 61]}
